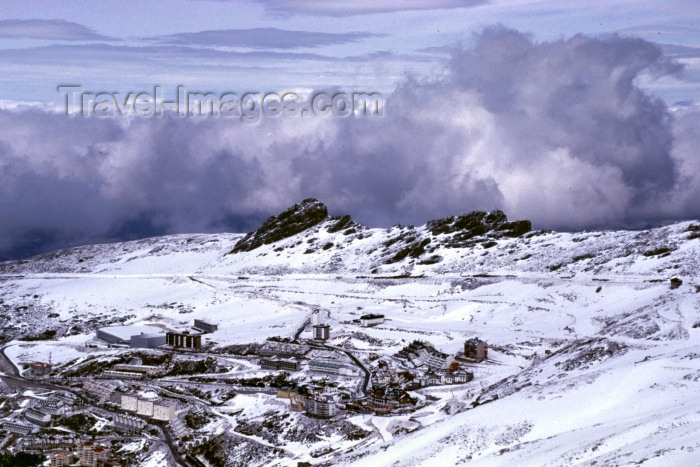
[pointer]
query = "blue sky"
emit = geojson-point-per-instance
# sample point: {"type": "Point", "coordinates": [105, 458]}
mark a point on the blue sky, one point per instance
{"type": "Point", "coordinates": [573, 114]}
{"type": "Point", "coordinates": [373, 45]}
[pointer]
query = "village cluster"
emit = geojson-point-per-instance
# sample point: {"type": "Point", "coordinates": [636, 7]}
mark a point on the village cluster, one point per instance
{"type": "Point", "coordinates": [132, 399]}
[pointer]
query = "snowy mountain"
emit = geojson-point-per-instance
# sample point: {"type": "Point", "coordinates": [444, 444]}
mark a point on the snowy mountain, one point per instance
{"type": "Point", "coordinates": [594, 337]}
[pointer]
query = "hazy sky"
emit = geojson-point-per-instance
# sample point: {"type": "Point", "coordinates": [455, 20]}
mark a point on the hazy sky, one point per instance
{"type": "Point", "coordinates": [371, 44]}
{"type": "Point", "coordinates": [574, 114]}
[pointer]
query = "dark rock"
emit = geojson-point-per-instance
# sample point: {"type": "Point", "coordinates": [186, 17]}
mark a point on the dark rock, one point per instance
{"type": "Point", "coordinates": [342, 223]}
{"type": "Point", "coordinates": [661, 252]}
{"type": "Point", "coordinates": [496, 218]}
{"type": "Point", "coordinates": [584, 256]}
{"type": "Point", "coordinates": [294, 220]}
{"type": "Point", "coordinates": [515, 228]}
{"type": "Point", "coordinates": [414, 249]}
{"type": "Point", "coordinates": [477, 223]}
{"type": "Point", "coordinates": [431, 260]}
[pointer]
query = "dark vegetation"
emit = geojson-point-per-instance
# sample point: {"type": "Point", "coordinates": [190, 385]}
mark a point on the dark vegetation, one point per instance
{"type": "Point", "coordinates": [77, 422]}
{"type": "Point", "coordinates": [195, 367]}
{"type": "Point", "coordinates": [44, 336]}
{"type": "Point", "coordinates": [196, 420]}
{"type": "Point", "coordinates": [21, 459]}
{"type": "Point", "coordinates": [279, 381]}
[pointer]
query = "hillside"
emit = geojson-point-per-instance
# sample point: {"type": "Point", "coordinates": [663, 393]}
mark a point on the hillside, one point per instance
{"type": "Point", "coordinates": [594, 349]}
{"type": "Point", "coordinates": [304, 240]}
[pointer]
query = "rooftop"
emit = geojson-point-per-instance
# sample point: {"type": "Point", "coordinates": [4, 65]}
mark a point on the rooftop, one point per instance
{"type": "Point", "coordinates": [125, 332]}
{"type": "Point", "coordinates": [326, 364]}
{"type": "Point", "coordinates": [162, 403]}
{"type": "Point", "coordinates": [474, 341]}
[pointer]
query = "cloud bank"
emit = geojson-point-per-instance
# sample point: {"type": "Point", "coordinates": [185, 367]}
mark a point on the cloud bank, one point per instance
{"type": "Point", "coordinates": [364, 7]}
{"type": "Point", "coordinates": [273, 38]}
{"type": "Point", "coordinates": [555, 132]}
{"type": "Point", "coordinates": [51, 29]}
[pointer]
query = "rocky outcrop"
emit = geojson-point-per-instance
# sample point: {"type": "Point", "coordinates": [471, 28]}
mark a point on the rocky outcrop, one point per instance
{"type": "Point", "coordinates": [344, 223]}
{"type": "Point", "coordinates": [465, 228]}
{"type": "Point", "coordinates": [294, 220]}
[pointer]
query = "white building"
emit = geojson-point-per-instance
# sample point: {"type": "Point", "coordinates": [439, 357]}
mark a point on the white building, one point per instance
{"type": "Point", "coordinates": [371, 320]}
{"type": "Point", "coordinates": [323, 407]}
{"type": "Point", "coordinates": [432, 357]}
{"type": "Point", "coordinates": [149, 407]}
{"type": "Point", "coordinates": [462, 376]}
{"type": "Point", "coordinates": [145, 407]}
{"type": "Point", "coordinates": [164, 411]}
{"type": "Point", "coordinates": [112, 374]}
{"type": "Point", "coordinates": [129, 423]}
{"type": "Point", "coordinates": [130, 402]}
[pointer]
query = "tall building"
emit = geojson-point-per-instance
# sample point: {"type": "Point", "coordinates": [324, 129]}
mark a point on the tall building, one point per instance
{"type": "Point", "coordinates": [183, 340]}
{"type": "Point", "coordinates": [145, 407]}
{"type": "Point", "coordinates": [164, 411]}
{"type": "Point", "coordinates": [157, 409]}
{"type": "Point", "coordinates": [318, 406]}
{"type": "Point", "coordinates": [475, 349]}
{"type": "Point", "coordinates": [130, 402]}
{"type": "Point", "coordinates": [322, 332]}
{"type": "Point", "coordinates": [90, 454]}
{"type": "Point", "coordinates": [60, 458]}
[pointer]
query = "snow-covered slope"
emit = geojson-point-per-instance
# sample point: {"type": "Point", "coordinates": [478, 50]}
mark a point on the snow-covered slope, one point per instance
{"type": "Point", "coordinates": [595, 351]}
{"type": "Point", "coordinates": [310, 243]}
